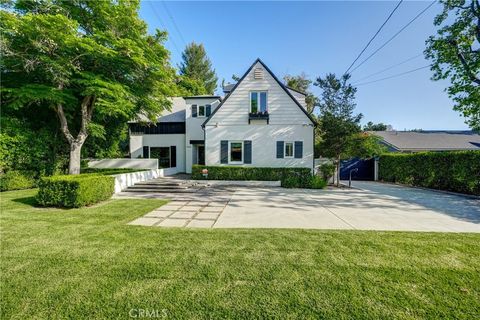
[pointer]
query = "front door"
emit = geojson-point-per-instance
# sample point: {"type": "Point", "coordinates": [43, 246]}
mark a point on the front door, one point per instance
{"type": "Point", "coordinates": [201, 155]}
{"type": "Point", "coordinates": [163, 156]}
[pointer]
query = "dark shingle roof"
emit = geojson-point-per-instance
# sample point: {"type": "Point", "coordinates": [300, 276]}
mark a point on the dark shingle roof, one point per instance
{"type": "Point", "coordinates": [430, 140]}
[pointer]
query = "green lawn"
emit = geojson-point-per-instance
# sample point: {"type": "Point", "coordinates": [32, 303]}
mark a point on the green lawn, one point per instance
{"type": "Point", "coordinates": [87, 263]}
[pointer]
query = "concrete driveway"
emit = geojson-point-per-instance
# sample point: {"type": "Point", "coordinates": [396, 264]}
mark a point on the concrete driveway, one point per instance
{"type": "Point", "coordinates": [369, 206]}
{"type": "Point", "coordinates": [372, 206]}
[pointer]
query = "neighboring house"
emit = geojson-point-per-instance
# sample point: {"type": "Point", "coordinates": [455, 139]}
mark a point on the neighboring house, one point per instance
{"type": "Point", "coordinates": [411, 141]}
{"type": "Point", "coordinates": [259, 123]}
{"type": "Point", "coordinates": [417, 141]}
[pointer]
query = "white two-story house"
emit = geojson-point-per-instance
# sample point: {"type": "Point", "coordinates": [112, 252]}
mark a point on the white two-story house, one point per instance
{"type": "Point", "coordinates": [259, 123]}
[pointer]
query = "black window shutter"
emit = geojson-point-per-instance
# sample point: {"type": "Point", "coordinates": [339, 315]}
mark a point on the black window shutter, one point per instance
{"type": "Point", "coordinates": [298, 149]}
{"type": "Point", "coordinates": [208, 110]}
{"type": "Point", "coordinates": [194, 110]}
{"type": "Point", "coordinates": [224, 151]}
{"type": "Point", "coordinates": [173, 156]}
{"type": "Point", "coordinates": [279, 149]}
{"type": "Point", "coordinates": [247, 153]}
{"type": "Point", "coordinates": [146, 154]}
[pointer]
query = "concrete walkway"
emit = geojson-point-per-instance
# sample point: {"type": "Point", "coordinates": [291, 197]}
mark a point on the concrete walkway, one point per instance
{"type": "Point", "coordinates": [371, 206]}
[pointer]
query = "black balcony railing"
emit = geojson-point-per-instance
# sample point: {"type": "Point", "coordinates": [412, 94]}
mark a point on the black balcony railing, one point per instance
{"type": "Point", "coordinates": [258, 116]}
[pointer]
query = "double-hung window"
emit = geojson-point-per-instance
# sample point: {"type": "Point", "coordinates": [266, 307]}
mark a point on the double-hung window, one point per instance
{"type": "Point", "coordinates": [258, 101]}
{"type": "Point", "coordinates": [235, 152]}
{"type": "Point", "coordinates": [289, 149]}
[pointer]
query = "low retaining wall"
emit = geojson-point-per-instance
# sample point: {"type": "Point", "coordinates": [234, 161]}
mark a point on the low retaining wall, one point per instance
{"type": "Point", "coordinates": [125, 180]}
{"type": "Point", "coordinates": [239, 183]}
{"type": "Point", "coordinates": [123, 163]}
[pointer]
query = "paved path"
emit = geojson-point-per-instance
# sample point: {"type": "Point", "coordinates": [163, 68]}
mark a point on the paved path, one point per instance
{"type": "Point", "coordinates": [372, 206]}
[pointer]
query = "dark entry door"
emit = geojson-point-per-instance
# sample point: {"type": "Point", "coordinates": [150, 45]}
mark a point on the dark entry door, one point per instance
{"type": "Point", "coordinates": [201, 155]}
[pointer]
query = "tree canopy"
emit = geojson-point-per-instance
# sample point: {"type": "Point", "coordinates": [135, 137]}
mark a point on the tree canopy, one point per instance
{"type": "Point", "coordinates": [197, 67]}
{"type": "Point", "coordinates": [455, 55]}
{"type": "Point", "coordinates": [88, 62]}
{"type": "Point", "coordinates": [370, 126]}
{"type": "Point", "coordinates": [302, 83]}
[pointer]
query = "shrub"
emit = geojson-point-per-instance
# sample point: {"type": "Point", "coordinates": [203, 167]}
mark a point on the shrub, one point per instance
{"type": "Point", "coordinates": [289, 177]}
{"type": "Point", "coordinates": [73, 191]}
{"type": "Point", "coordinates": [17, 180]}
{"type": "Point", "coordinates": [318, 183]}
{"type": "Point", "coordinates": [327, 170]}
{"type": "Point", "coordinates": [452, 171]}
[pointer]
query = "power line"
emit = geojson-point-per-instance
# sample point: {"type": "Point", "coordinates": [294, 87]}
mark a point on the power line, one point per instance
{"type": "Point", "coordinates": [164, 26]}
{"type": "Point", "coordinates": [390, 77]}
{"type": "Point", "coordinates": [391, 67]}
{"type": "Point", "coordinates": [375, 35]}
{"type": "Point", "coordinates": [395, 35]}
{"type": "Point", "coordinates": [174, 23]}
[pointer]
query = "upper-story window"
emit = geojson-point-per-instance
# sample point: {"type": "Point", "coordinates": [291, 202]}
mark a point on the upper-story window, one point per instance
{"type": "Point", "coordinates": [258, 101]}
{"type": "Point", "coordinates": [201, 111]}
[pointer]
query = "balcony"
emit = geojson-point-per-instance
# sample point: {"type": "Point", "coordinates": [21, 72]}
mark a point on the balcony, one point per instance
{"type": "Point", "coordinates": [258, 116]}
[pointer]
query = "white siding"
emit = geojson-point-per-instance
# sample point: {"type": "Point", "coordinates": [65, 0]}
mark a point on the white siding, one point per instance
{"type": "Point", "coordinates": [264, 142]}
{"type": "Point", "coordinates": [287, 123]}
{"type": "Point", "coordinates": [282, 109]}
{"type": "Point", "coordinates": [193, 127]}
{"type": "Point", "coordinates": [299, 97]}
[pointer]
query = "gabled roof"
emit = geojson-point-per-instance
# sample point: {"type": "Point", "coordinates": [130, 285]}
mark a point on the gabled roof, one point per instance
{"type": "Point", "coordinates": [274, 77]}
{"type": "Point", "coordinates": [430, 140]}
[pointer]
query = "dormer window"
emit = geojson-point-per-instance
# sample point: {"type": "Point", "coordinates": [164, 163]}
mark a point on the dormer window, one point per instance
{"type": "Point", "coordinates": [258, 102]}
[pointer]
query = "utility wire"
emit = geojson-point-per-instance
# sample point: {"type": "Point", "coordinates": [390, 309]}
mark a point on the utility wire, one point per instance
{"type": "Point", "coordinates": [389, 68]}
{"type": "Point", "coordinates": [174, 23]}
{"type": "Point", "coordinates": [374, 36]}
{"type": "Point", "coordinates": [390, 77]}
{"type": "Point", "coordinates": [164, 26]}
{"type": "Point", "coordinates": [395, 35]}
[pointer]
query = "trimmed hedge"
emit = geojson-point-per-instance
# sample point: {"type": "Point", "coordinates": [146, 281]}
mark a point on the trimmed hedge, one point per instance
{"type": "Point", "coordinates": [457, 171]}
{"type": "Point", "coordinates": [17, 180]}
{"type": "Point", "coordinates": [73, 191]}
{"type": "Point", "coordinates": [289, 177]}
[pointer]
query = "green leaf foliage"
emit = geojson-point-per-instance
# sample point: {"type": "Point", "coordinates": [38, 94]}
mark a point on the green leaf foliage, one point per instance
{"type": "Point", "coordinates": [62, 52]}
{"type": "Point", "coordinates": [73, 191]}
{"type": "Point", "coordinates": [16, 180]}
{"type": "Point", "coordinates": [302, 83]}
{"type": "Point", "coordinates": [197, 67]}
{"type": "Point", "coordinates": [289, 177]}
{"type": "Point", "coordinates": [452, 171]}
{"type": "Point", "coordinates": [455, 55]}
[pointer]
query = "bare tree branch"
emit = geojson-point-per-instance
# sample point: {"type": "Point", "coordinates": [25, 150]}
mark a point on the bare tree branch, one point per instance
{"type": "Point", "coordinates": [462, 59]}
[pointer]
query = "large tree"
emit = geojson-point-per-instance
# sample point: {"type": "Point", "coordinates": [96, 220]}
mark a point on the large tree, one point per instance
{"type": "Point", "coordinates": [302, 83]}
{"type": "Point", "coordinates": [87, 61]}
{"type": "Point", "coordinates": [197, 66]}
{"type": "Point", "coordinates": [337, 122]}
{"type": "Point", "coordinates": [455, 55]}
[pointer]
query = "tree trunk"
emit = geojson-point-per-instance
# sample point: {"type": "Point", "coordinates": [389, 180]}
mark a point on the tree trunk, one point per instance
{"type": "Point", "coordinates": [76, 143]}
{"type": "Point", "coordinates": [74, 163]}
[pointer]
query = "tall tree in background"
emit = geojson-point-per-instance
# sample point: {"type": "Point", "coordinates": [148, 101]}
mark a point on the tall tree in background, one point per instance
{"type": "Point", "coordinates": [370, 126]}
{"type": "Point", "coordinates": [302, 84]}
{"type": "Point", "coordinates": [455, 55]}
{"type": "Point", "coordinates": [197, 66]}
{"type": "Point", "coordinates": [87, 61]}
{"type": "Point", "coordinates": [337, 122]}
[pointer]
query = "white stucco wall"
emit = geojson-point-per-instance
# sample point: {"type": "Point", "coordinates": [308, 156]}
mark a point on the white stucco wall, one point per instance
{"type": "Point", "coordinates": [193, 127]}
{"type": "Point", "coordinates": [264, 143]}
{"type": "Point", "coordinates": [159, 140]}
{"type": "Point", "coordinates": [123, 163]}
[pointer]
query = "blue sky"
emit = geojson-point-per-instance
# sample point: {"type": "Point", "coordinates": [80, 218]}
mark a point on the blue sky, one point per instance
{"type": "Point", "coordinates": [318, 38]}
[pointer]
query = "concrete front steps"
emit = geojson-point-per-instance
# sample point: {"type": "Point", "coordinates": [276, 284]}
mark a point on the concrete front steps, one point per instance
{"type": "Point", "coordinates": [165, 185]}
